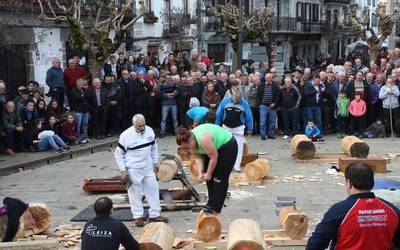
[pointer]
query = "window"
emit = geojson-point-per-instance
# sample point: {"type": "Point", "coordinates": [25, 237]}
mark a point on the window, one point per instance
{"type": "Point", "coordinates": [373, 3]}
{"type": "Point", "coordinates": [308, 11]}
{"type": "Point", "coordinates": [315, 12]}
{"type": "Point", "coordinates": [300, 11]}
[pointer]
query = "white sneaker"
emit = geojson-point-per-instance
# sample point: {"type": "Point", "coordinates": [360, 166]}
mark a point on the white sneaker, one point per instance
{"type": "Point", "coordinates": [285, 137]}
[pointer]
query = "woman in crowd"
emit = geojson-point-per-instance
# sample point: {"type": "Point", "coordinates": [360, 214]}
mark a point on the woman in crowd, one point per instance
{"type": "Point", "coordinates": [210, 97]}
{"type": "Point", "coordinates": [47, 139]}
{"type": "Point", "coordinates": [54, 110]}
{"type": "Point", "coordinates": [41, 110]}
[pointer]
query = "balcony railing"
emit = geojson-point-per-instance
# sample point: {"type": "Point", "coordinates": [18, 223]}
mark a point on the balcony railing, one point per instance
{"type": "Point", "coordinates": [293, 25]}
{"type": "Point", "coordinates": [213, 23]}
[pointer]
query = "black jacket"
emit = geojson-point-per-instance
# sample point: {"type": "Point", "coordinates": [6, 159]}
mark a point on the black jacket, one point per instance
{"type": "Point", "coordinates": [80, 100]}
{"type": "Point", "coordinates": [288, 99]}
{"type": "Point", "coordinates": [126, 93]}
{"type": "Point", "coordinates": [103, 98]}
{"type": "Point", "coordinates": [141, 92]}
{"type": "Point", "coordinates": [106, 233]}
{"type": "Point", "coordinates": [221, 89]}
{"type": "Point", "coordinates": [275, 94]}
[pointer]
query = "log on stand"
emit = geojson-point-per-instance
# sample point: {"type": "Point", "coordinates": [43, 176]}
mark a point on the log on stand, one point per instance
{"type": "Point", "coordinates": [257, 170]}
{"type": "Point", "coordinates": [354, 147]}
{"type": "Point", "coordinates": [156, 236]}
{"type": "Point", "coordinates": [196, 167]}
{"type": "Point", "coordinates": [294, 222]}
{"type": "Point", "coordinates": [167, 171]}
{"type": "Point", "coordinates": [208, 227]}
{"type": "Point", "coordinates": [245, 234]}
{"type": "Point", "coordinates": [302, 147]}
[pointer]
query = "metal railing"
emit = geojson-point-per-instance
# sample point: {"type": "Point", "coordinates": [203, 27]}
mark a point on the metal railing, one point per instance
{"type": "Point", "coordinates": [293, 25]}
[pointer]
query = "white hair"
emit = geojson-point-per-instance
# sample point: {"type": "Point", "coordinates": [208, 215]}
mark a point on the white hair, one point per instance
{"type": "Point", "coordinates": [138, 117]}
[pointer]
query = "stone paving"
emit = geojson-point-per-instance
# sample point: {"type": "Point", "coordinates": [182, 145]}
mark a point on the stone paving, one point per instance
{"type": "Point", "coordinates": [60, 184]}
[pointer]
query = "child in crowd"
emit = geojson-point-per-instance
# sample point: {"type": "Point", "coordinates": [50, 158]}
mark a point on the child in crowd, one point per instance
{"type": "Point", "coordinates": [313, 132]}
{"type": "Point", "coordinates": [375, 130]}
{"type": "Point", "coordinates": [342, 114]}
{"type": "Point", "coordinates": [69, 130]}
{"type": "Point", "coordinates": [357, 109]}
{"type": "Point", "coordinates": [47, 139]}
{"type": "Point", "coordinates": [53, 125]}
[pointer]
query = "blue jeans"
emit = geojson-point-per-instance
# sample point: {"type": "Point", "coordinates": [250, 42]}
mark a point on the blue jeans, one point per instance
{"type": "Point", "coordinates": [165, 110]}
{"type": "Point", "coordinates": [53, 142]}
{"type": "Point", "coordinates": [267, 120]}
{"type": "Point", "coordinates": [82, 120]}
{"type": "Point", "coordinates": [314, 113]}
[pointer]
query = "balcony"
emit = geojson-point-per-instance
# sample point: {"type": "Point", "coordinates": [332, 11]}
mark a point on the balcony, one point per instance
{"type": "Point", "coordinates": [176, 23]}
{"type": "Point", "coordinates": [338, 1]}
{"type": "Point", "coordinates": [293, 25]}
{"type": "Point", "coordinates": [213, 23]}
{"type": "Point", "coordinates": [150, 18]}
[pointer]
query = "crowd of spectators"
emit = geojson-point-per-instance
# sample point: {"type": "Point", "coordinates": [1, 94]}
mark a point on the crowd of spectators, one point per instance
{"type": "Point", "coordinates": [352, 98]}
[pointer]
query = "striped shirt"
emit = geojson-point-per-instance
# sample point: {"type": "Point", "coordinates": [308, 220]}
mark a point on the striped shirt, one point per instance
{"type": "Point", "coordinates": [267, 96]}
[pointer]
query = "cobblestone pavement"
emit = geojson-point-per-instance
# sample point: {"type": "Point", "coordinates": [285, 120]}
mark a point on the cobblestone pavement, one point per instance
{"type": "Point", "coordinates": [60, 185]}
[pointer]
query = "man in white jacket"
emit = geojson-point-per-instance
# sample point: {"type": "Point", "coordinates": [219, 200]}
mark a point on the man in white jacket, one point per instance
{"type": "Point", "coordinates": [137, 159]}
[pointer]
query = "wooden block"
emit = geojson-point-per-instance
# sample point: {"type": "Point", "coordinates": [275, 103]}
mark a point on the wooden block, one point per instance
{"type": "Point", "coordinates": [323, 158]}
{"type": "Point", "coordinates": [30, 245]}
{"type": "Point", "coordinates": [378, 164]}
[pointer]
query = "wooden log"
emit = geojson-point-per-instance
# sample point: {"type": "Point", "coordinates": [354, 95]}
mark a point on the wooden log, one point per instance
{"type": "Point", "coordinates": [294, 222]}
{"type": "Point", "coordinates": [156, 236]}
{"type": "Point", "coordinates": [302, 147]}
{"type": "Point", "coordinates": [184, 153]}
{"type": "Point", "coordinates": [354, 147]}
{"type": "Point", "coordinates": [167, 171]}
{"type": "Point", "coordinates": [196, 167]}
{"type": "Point", "coordinates": [208, 227]}
{"type": "Point", "coordinates": [3, 225]}
{"type": "Point", "coordinates": [245, 234]}
{"type": "Point", "coordinates": [257, 170]}
{"type": "Point", "coordinates": [378, 164]}
{"type": "Point", "coordinates": [35, 220]}
{"type": "Point", "coordinates": [30, 245]}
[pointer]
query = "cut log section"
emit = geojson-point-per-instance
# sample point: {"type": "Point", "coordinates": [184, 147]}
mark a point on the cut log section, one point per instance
{"type": "Point", "coordinates": [354, 147]}
{"type": "Point", "coordinates": [245, 234]}
{"type": "Point", "coordinates": [36, 219]}
{"type": "Point", "coordinates": [196, 167]}
{"type": "Point", "coordinates": [167, 171]}
{"type": "Point", "coordinates": [294, 222]}
{"type": "Point", "coordinates": [184, 153]}
{"type": "Point", "coordinates": [156, 236]}
{"type": "Point", "coordinates": [257, 170]}
{"type": "Point", "coordinates": [208, 227]}
{"type": "Point", "coordinates": [302, 147]}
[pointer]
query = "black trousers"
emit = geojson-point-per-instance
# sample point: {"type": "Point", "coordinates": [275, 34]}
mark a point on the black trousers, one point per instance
{"type": "Point", "coordinates": [342, 124]}
{"type": "Point", "coordinates": [99, 117]}
{"type": "Point", "coordinates": [218, 185]}
{"type": "Point", "coordinates": [358, 124]}
{"type": "Point", "coordinates": [256, 120]}
{"type": "Point", "coordinates": [386, 117]}
{"type": "Point", "coordinates": [58, 94]}
{"type": "Point", "coordinates": [290, 120]}
{"type": "Point", "coordinates": [372, 113]}
{"type": "Point", "coordinates": [113, 119]}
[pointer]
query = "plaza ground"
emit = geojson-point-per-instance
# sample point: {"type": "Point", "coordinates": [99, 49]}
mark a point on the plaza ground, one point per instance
{"type": "Point", "coordinates": [59, 185]}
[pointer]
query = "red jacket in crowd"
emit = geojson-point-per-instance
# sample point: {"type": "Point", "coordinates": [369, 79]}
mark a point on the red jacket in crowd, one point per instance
{"type": "Point", "coordinates": [73, 74]}
{"type": "Point", "coordinates": [206, 60]}
{"type": "Point", "coordinates": [69, 130]}
{"type": "Point", "coordinates": [357, 108]}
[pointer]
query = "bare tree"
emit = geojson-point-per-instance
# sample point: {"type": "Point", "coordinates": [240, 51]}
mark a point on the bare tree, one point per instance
{"type": "Point", "coordinates": [255, 26]}
{"type": "Point", "coordinates": [176, 25]}
{"type": "Point", "coordinates": [106, 19]}
{"type": "Point", "coordinates": [361, 26]}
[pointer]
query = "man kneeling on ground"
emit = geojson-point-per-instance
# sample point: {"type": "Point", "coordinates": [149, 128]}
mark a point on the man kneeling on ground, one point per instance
{"type": "Point", "coordinates": [360, 222]}
{"type": "Point", "coordinates": [104, 232]}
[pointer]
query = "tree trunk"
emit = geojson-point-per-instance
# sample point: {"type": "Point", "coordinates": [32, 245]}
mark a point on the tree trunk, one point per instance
{"type": "Point", "coordinates": [302, 147]}
{"type": "Point", "coordinates": [294, 222]}
{"type": "Point", "coordinates": [235, 61]}
{"type": "Point", "coordinates": [167, 170]}
{"type": "Point", "coordinates": [157, 236]}
{"type": "Point", "coordinates": [257, 170]}
{"type": "Point", "coordinates": [354, 147]}
{"type": "Point", "coordinates": [245, 234]}
{"type": "Point", "coordinates": [94, 67]}
{"type": "Point", "coordinates": [373, 52]}
{"type": "Point", "coordinates": [208, 227]}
